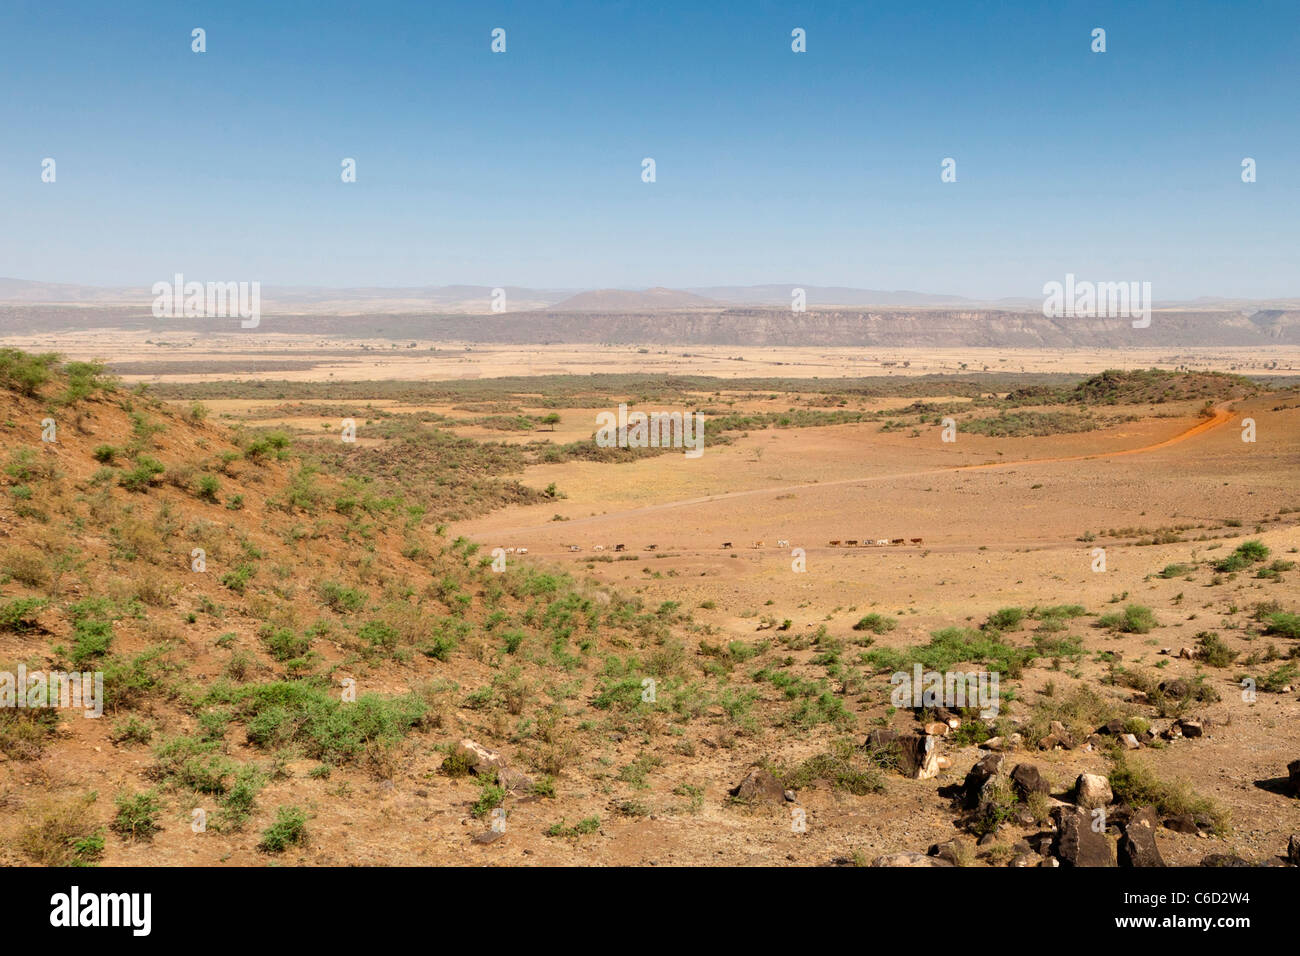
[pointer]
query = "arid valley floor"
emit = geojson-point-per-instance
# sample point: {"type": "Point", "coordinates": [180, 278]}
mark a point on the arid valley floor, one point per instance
{"type": "Point", "coordinates": [369, 561]}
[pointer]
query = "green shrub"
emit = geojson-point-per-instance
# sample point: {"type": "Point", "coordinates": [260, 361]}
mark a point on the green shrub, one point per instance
{"type": "Point", "coordinates": [289, 829]}
{"type": "Point", "coordinates": [208, 487]}
{"type": "Point", "coordinates": [1005, 619]}
{"type": "Point", "coordinates": [876, 624]}
{"type": "Point", "coordinates": [1135, 619]}
{"type": "Point", "coordinates": [20, 615]}
{"type": "Point", "coordinates": [341, 599]}
{"type": "Point", "coordinates": [144, 473]}
{"type": "Point", "coordinates": [137, 816]}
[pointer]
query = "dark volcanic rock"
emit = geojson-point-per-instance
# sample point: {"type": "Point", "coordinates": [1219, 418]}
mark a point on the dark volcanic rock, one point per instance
{"type": "Point", "coordinates": [1137, 847]}
{"type": "Point", "coordinates": [985, 769]}
{"type": "Point", "coordinates": [1026, 779]}
{"type": "Point", "coordinates": [759, 787]}
{"type": "Point", "coordinates": [1077, 844]}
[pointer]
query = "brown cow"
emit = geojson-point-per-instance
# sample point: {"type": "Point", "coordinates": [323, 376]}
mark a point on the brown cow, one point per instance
{"type": "Point", "coordinates": [618, 547]}
{"type": "Point", "coordinates": [726, 544]}
{"type": "Point", "coordinates": [835, 544]}
{"type": "Point", "coordinates": [916, 541]}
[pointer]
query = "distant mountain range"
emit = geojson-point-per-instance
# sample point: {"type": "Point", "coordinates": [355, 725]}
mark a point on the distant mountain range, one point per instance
{"type": "Point", "coordinates": [750, 326]}
{"type": "Point", "coordinates": [478, 299]}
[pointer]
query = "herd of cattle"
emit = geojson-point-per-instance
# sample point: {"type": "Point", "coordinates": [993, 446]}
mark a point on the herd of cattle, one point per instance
{"type": "Point", "coordinates": [782, 543]}
{"type": "Point", "coordinates": [877, 543]}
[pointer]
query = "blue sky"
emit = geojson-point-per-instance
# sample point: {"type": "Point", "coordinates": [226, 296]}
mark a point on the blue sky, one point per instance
{"type": "Point", "coordinates": [524, 168]}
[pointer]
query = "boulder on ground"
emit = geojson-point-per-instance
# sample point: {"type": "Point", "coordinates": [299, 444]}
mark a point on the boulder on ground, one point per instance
{"type": "Point", "coordinates": [956, 851]}
{"type": "Point", "coordinates": [1092, 790]}
{"type": "Point", "coordinates": [971, 788]}
{"type": "Point", "coordinates": [1224, 859]}
{"type": "Point", "coordinates": [759, 786]}
{"type": "Point", "coordinates": [1026, 779]}
{"type": "Point", "coordinates": [513, 780]}
{"type": "Point", "coordinates": [1181, 823]}
{"type": "Point", "coordinates": [1293, 768]}
{"type": "Point", "coordinates": [880, 739]}
{"type": "Point", "coordinates": [1077, 843]}
{"type": "Point", "coordinates": [918, 756]}
{"type": "Point", "coordinates": [1293, 849]}
{"type": "Point", "coordinates": [479, 758]}
{"type": "Point", "coordinates": [1137, 847]}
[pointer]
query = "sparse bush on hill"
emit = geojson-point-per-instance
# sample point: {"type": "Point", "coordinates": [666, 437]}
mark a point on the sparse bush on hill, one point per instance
{"type": "Point", "coordinates": [25, 373]}
{"type": "Point", "coordinates": [876, 624]}
{"type": "Point", "coordinates": [1135, 619]}
{"type": "Point", "coordinates": [289, 829]}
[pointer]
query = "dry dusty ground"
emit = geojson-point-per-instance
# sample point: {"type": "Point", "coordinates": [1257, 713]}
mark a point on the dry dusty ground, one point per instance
{"type": "Point", "coordinates": [1001, 522]}
{"type": "Point", "coordinates": [310, 359]}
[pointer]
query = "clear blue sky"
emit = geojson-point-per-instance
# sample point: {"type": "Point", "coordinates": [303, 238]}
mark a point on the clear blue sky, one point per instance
{"type": "Point", "coordinates": [524, 168]}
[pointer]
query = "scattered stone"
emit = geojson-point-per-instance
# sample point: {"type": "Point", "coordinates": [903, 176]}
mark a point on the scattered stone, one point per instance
{"type": "Point", "coordinates": [1129, 741]}
{"type": "Point", "coordinates": [1191, 728]}
{"type": "Point", "coordinates": [1058, 736]}
{"type": "Point", "coordinates": [489, 836]}
{"type": "Point", "coordinates": [1024, 859]}
{"type": "Point", "coordinates": [918, 756]}
{"type": "Point", "coordinates": [880, 739]}
{"type": "Point", "coordinates": [1041, 843]}
{"type": "Point", "coordinates": [979, 774]}
{"type": "Point", "coordinates": [479, 758]}
{"type": "Point", "coordinates": [909, 858]}
{"type": "Point", "coordinates": [1114, 728]}
{"type": "Point", "coordinates": [759, 786]}
{"type": "Point", "coordinates": [1224, 859]}
{"type": "Point", "coordinates": [1181, 823]}
{"type": "Point", "coordinates": [1077, 844]}
{"type": "Point", "coordinates": [1026, 779]}
{"type": "Point", "coordinates": [1185, 653]}
{"type": "Point", "coordinates": [513, 780]}
{"type": "Point", "coordinates": [1176, 688]}
{"type": "Point", "coordinates": [1293, 849]}
{"type": "Point", "coordinates": [944, 763]}
{"type": "Point", "coordinates": [987, 838]}
{"type": "Point", "coordinates": [1092, 790]}
{"type": "Point", "coordinates": [937, 729]}
{"type": "Point", "coordinates": [790, 796]}
{"type": "Point", "coordinates": [954, 851]}
{"type": "Point", "coordinates": [1137, 847]}
{"type": "Point", "coordinates": [1293, 768]}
